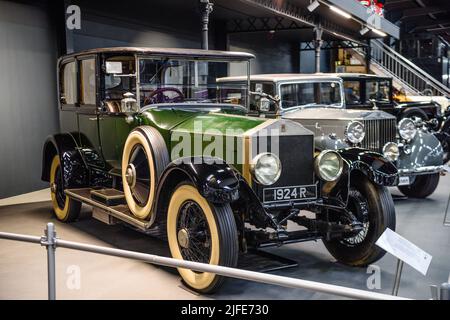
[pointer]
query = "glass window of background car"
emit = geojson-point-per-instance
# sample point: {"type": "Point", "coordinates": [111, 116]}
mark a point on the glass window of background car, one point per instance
{"type": "Point", "coordinates": [264, 87]}
{"type": "Point", "coordinates": [378, 90]}
{"type": "Point", "coordinates": [178, 81]}
{"type": "Point", "coordinates": [330, 93]}
{"type": "Point", "coordinates": [68, 82]}
{"type": "Point", "coordinates": [352, 92]}
{"type": "Point", "coordinates": [303, 93]}
{"type": "Point", "coordinates": [88, 81]}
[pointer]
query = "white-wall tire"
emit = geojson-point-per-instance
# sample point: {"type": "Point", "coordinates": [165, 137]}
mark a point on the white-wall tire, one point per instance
{"type": "Point", "coordinates": [222, 231]}
{"type": "Point", "coordinates": [64, 208]}
{"type": "Point", "coordinates": [145, 141]}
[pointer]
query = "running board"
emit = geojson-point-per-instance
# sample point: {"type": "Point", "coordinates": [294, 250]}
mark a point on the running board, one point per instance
{"type": "Point", "coordinates": [120, 212]}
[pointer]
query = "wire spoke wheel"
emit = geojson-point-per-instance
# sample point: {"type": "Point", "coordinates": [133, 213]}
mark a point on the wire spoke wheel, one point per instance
{"type": "Point", "coordinates": [202, 232]}
{"type": "Point", "coordinates": [359, 206]}
{"type": "Point", "coordinates": [194, 236]}
{"type": "Point", "coordinates": [373, 208]}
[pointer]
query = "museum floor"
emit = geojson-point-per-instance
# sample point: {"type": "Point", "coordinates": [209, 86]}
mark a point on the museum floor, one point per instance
{"type": "Point", "coordinates": [23, 266]}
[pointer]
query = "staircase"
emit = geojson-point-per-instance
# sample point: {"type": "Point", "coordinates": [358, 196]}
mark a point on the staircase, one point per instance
{"type": "Point", "coordinates": [415, 81]}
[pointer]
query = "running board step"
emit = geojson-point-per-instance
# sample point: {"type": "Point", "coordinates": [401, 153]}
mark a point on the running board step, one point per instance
{"type": "Point", "coordinates": [120, 212]}
{"type": "Point", "coordinates": [109, 197]}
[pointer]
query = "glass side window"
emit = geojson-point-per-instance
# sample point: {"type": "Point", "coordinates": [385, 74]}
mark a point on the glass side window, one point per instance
{"type": "Point", "coordinates": [68, 84]}
{"type": "Point", "coordinates": [88, 81]}
{"type": "Point", "coordinates": [120, 77]}
{"type": "Point", "coordinates": [378, 90]}
{"type": "Point", "coordinates": [310, 94]}
{"type": "Point", "coordinates": [352, 92]}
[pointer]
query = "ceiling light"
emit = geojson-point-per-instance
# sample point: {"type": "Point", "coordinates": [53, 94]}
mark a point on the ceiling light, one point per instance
{"type": "Point", "coordinates": [313, 5]}
{"type": "Point", "coordinates": [379, 32]}
{"type": "Point", "coordinates": [364, 30]}
{"type": "Point", "coordinates": [341, 12]}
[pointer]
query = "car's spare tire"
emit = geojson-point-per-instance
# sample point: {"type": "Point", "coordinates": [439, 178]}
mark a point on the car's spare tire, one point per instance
{"type": "Point", "coordinates": [144, 159]}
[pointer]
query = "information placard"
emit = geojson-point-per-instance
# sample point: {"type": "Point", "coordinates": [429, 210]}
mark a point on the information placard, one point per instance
{"type": "Point", "coordinates": [405, 250]}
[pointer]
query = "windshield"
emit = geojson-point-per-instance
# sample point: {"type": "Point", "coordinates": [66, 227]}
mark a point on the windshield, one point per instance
{"type": "Point", "coordinates": [378, 90]}
{"type": "Point", "coordinates": [310, 94]}
{"type": "Point", "coordinates": [190, 81]}
{"type": "Point", "coordinates": [165, 80]}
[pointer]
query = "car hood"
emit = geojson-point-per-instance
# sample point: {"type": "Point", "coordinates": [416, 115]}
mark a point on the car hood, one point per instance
{"type": "Point", "coordinates": [169, 116]}
{"type": "Point", "coordinates": [336, 114]}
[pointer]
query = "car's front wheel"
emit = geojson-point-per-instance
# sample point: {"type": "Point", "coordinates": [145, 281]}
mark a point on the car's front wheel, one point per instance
{"type": "Point", "coordinates": [65, 208]}
{"type": "Point", "coordinates": [201, 232]}
{"type": "Point", "coordinates": [373, 206]}
{"type": "Point", "coordinates": [422, 187]}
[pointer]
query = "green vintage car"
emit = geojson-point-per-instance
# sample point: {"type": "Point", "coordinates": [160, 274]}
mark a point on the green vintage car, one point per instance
{"type": "Point", "coordinates": [150, 139]}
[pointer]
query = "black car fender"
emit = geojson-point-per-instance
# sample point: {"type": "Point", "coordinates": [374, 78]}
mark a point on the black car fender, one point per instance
{"type": "Point", "coordinates": [443, 135]}
{"type": "Point", "coordinates": [74, 167]}
{"type": "Point", "coordinates": [218, 182]}
{"type": "Point", "coordinates": [377, 168]}
{"type": "Point", "coordinates": [213, 178]}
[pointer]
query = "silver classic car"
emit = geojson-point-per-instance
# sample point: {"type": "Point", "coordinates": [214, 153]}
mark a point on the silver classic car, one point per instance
{"type": "Point", "coordinates": [317, 101]}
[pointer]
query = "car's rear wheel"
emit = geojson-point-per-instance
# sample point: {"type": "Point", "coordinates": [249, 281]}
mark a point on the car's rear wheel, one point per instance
{"type": "Point", "coordinates": [202, 232]}
{"type": "Point", "coordinates": [374, 208]}
{"type": "Point", "coordinates": [144, 158]}
{"type": "Point", "coordinates": [422, 187]}
{"type": "Point", "coordinates": [64, 208]}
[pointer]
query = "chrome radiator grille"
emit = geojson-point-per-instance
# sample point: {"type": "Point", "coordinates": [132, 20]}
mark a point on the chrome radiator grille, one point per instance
{"type": "Point", "coordinates": [378, 133]}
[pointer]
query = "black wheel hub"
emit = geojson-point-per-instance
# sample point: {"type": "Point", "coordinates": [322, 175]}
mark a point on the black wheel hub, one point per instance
{"type": "Point", "coordinates": [194, 238]}
{"type": "Point", "coordinates": [58, 189]}
{"type": "Point", "coordinates": [138, 175]}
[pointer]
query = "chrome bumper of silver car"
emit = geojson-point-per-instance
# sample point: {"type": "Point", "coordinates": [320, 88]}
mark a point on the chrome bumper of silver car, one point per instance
{"type": "Point", "coordinates": [422, 170]}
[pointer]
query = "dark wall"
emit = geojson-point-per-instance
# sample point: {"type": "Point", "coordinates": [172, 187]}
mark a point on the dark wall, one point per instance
{"type": "Point", "coordinates": [151, 24]}
{"type": "Point", "coordinates": [308, 60]}
{"type": "Point", "coordinates": [28, 111]}
{"type": "Point", "coordinates": [272, 55]}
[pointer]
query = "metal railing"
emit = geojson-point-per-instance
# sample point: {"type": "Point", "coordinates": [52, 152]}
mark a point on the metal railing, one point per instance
{"type": "Point", "coordinates": [51, 242]}
{"type": "Point", "coordinates": [412, 77]}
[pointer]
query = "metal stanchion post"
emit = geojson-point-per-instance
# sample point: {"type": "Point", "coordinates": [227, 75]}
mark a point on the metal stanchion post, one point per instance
{"type": "Point", "coordinates": [447, 222]}
{"type": "Point", "coordinates": [49, 242]}
{"type": "Point", "coordinates": [445, 291]}
{"type": "Point", "coordinates": [398, 275]}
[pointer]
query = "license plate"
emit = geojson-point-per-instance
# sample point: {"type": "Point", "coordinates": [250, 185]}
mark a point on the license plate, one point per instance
{"type": "Point", "coordinates": [404, 181]}
{"type": "Point", "coordinates": [284, 194]}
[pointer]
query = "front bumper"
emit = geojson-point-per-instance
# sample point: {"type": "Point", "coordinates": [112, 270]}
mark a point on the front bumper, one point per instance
{"type": "Point", "coordinates": [421, 170]}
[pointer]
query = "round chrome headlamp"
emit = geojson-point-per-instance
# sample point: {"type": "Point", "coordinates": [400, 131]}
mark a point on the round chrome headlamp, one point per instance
{"type": "Point", "coordinates": [329, 165]}
{"type": "Point", "coordinates": [355, 132]}
{"type": "Point", "coordinates": [266, 168]}
{"type": "Point", "coordinates": [391, 151]}
{"type": "Point", "coordinates": [407, 129]}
